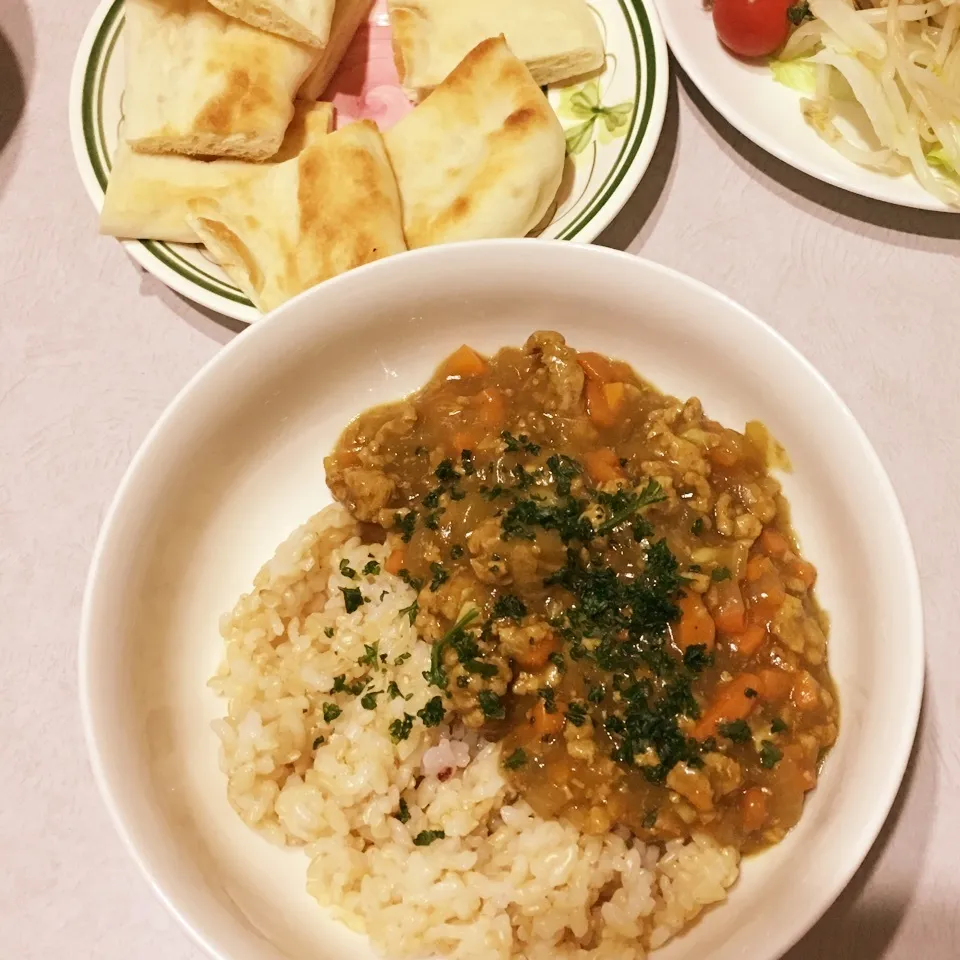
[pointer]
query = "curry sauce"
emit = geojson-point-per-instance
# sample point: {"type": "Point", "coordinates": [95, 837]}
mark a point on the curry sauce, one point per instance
{"type": "Point", "coordinates": [611, 586]}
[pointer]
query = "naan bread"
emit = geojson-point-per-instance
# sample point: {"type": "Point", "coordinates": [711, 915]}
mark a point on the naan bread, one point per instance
{"type": "Point", "coordinates": [347, 18]}
{"type": "Point", "coordinates": [556, 39]}
{"type": "Point", "coordinates": [148, 194]}
{"type": "Point", "coordinates": [333, 208]}
{"type": "Point", "coordinates": [481, 157]}
{"type": "Point", "coordinates": [306, 21]}
{"type": "Point", "coordinates": [204, 84]}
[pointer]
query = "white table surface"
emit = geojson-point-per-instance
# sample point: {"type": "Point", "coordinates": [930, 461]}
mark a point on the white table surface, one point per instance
{"type": "Point", "coordinates": [92, 349]}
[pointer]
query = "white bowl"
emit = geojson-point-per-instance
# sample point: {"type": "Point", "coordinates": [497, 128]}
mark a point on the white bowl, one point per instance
{"type": "Point", "coordinates": [237, 462]}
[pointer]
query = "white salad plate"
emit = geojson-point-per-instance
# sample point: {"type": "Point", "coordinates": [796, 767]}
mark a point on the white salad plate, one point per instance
{"type": "Point", "coordinates": [748, 97]}
{"type": "Point", "coordinates": [236, 463]}
{"type": "Point", "coordinates": [612, 122]}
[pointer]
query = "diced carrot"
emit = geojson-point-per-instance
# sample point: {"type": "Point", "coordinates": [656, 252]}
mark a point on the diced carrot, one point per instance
{"type": "Point", "coordinates": [729, 450]}
{"type": "Point", "coordinates": [751, 640]}
{"type": "Point", "coordinates": [597, 407]}
{"type": "Point", "coordinates": [806, 691]}
{"type": "Point", "coordinates": [603, 465]}
{"type": "Point", "coordinates": [803, 571]}
{"type": "Point", "coordinates": [695, 626]}
{"type": "Point", "coordinates": [757, 565]}
{"type": "Point", "coordinates": [765, 593]}
{"type": "Point", "coordinates": [753, 809]}
{"type": "Point", "coordinates": [615, 394]}
{"type": "Point", "coordinates": [773, 542]}
{"type": "Point", "coordinates": [596, 366]}
{"type": "Point", "coordinates": [545, 724]}
{"type": "Point", "coordinates": [730, 703]}
{"type": "Point", "coordinates": [729, 614]}
{"type": "Point", "coordinates": [775, 684]}
{"type": "Point", "coordinates": [464, 362]}
{"type": "Point", "coordinates": [396, 561]}
{"type": "Point", "coordinates": [491, 408]}
{"type": "Point", "coordinates": [537, 654]}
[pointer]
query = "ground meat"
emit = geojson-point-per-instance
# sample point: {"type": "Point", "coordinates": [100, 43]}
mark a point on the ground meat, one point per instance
{"type": "Point", "coordinates": [364, 491]}
{"type": "Point", "coordinates": [565, 374]}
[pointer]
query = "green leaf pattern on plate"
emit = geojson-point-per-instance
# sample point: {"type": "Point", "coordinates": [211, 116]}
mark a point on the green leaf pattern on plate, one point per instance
{"type": "Point", "coordinates": [582, 103]}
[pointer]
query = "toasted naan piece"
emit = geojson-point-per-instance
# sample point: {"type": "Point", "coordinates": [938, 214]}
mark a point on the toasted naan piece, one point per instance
{"type": "Point", "coordinates": [148, 194]}
{"type": "Point", "coordinates": [482, 156]}
{"type": "Point", "coordinates": [556, 39]}
{"type": "Point", "coordinates": [306, 21]}
{"type": "Point", "coordinates": [205, 84]}
{"type": "Point", "coordinates": [347, 18]}
{"type": "Point", "coordinates": [299, 223]}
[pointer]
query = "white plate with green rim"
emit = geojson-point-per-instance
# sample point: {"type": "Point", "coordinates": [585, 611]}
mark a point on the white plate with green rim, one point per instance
{"type": "Point", "coordinates": [613, 123]}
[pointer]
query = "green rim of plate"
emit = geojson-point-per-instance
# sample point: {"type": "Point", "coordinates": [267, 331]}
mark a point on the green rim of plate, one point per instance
{"type": "Point", "coordinates": [94, 136]}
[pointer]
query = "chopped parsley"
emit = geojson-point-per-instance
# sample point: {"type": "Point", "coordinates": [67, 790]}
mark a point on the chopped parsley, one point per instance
{"type": "Point", "coordinates": [400, 729]}
{"type": "Point", "coordinates": [394, 692]}
{"type": "Point", "coordinates": [623, 505]}
{"type": "Point", "coordinates": [328, 632]}
{"type": "Point", "coordinates": [403, 813]}
{"type": "Point", "coordinates": [414, 583]}
{"type": "Point", "coordinates": [425, 837]}
{"type": "Point", "coordinates": [696, 528]}
{"type": "Point", "coordinates": [330, 712]}
{"type": "Point", "coordinates": [719, 574]}
{"type": "Point", "coordinates": [432, 499]}
{"type": "Point", "coordinates": [516, 759]}
{"type": "Point", "coordinates": [346, 570]}
{"type": "Point", "coordinates": [432, 519]}
{"type": "Point", "coordinates": [650, 819]}
{"type": "Point", "coordinates": [370, 654]}
{"type": "Point", "coordinates": [445, 472]}
{"type": "Point", "coordinates": [576, 713]}
{"type": "Point", "coordinates": [556, 658]}
{"type": "Point", "coordinates": [737, 730]}
{"type": "Point", "coordinates": [457, 495]}
{"type": "Point", "coordinates": [516, 444]}
{"type": "Point", "coordinates": [455, 636]}
{"type": "Point", "coordinates": [509, 607]}
{"type": "Point", "coordinates": [440, 576]}
{"type": "Point", "coordinates": [596, 694]}
{"type": "Point", "coordinates": [355, 687]}
{"type": "Point", "coordinates": [777, 725]}
{"type": "Point", "coordinates": [369, 700]}
{"type": "Point", "coordinates": [406, 524]}
{"type": "Point", "coordinates": [549, 697]}
{"type": "Point", "coordinates": [696, 659]}
{"type": "Point", "coordinates": [750, 693]}
{"type": "Point", "coordinates": [466, 459]}
{"type": "Point", "coordinates": [317, 742]}
{"type": "Point", "coordinates": [433, 713]}
{"type": "Point", "coordinates": [770, 755]}
{"type": "Point", "coordinates": [456, 551]}
{"type": "Point", "coordinates": [404, 657]}
{"type": "Point", "coordinates": [564, 470]}
{"type": "Point", "coordinates": [411, 612]}
{"type": "Point", "coordinates": [352, 598]}
{"type": "Point", "coordinates": [492, 493]}
{"type": "Point", "coordinates": [491, 705]}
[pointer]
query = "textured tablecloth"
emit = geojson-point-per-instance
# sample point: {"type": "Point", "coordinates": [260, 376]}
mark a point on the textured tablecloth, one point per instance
{"type": "Point", "coordinates": [92, 349]}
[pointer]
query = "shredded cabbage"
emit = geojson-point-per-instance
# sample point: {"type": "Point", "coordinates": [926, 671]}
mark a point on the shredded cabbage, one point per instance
{"type": "Point", "coordinates": [891, 70]}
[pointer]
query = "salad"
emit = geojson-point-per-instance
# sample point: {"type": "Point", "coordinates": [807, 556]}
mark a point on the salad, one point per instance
{"type": "Point", "coordinates": [892, 63]}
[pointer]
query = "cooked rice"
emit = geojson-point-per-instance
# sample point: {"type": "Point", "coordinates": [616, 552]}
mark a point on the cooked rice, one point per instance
{"type": "Point", "coordinates": [503, 882]}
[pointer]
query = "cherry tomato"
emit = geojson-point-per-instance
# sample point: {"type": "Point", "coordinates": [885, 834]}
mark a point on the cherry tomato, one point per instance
{"type": "Point", "coordinates": [752, 28]}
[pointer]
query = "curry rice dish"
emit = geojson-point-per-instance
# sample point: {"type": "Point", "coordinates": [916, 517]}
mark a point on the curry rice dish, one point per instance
{"type": "Point", "coordinates": [550, 666]}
